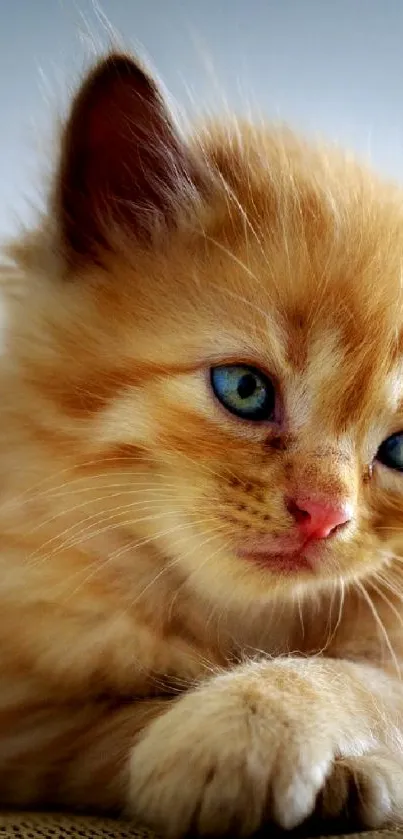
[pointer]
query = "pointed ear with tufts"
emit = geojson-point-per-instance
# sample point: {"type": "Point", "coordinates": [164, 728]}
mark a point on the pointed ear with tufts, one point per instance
{"type": "Point", "coordinates": [123, 164]}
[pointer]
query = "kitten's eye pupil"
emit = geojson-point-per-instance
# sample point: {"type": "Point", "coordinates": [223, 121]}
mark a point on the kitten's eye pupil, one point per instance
{"type": "Point", "coordinates": [247, 386]}
{"type": "Point", "coordinates": [244, 391]}
{"type": "Point", "coordinates": [390, 453]}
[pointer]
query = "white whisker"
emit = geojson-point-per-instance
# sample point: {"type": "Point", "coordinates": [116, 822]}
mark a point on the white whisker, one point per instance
{"type": "Point", "coordinates": [380, 625]}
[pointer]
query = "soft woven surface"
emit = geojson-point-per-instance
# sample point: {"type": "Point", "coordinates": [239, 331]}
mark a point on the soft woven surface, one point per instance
{"type": "Point", "coordinates": [37, 826]}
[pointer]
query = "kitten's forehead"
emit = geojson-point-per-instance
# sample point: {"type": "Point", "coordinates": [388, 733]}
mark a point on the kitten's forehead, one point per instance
{"type": "Point", "coordinates": [316, 241]}
{"type": "Point", "coordinates": [318, 232]}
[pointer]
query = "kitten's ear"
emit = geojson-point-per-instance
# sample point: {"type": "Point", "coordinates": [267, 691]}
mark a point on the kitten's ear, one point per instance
{"type": "Point", "coordinates": [123, 164]}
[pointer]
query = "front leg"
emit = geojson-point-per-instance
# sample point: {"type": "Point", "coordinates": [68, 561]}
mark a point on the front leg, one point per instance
{"type": "Point", "coordinates": [273, 741]}
{"type": "Point", "coordinates": [73, 755]}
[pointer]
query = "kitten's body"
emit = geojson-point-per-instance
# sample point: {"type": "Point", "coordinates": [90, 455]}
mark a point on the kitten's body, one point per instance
{"type": "Point", "coordinates": [127, 492]}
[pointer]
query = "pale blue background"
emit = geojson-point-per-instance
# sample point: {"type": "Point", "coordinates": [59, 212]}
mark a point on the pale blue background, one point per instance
{"type": "Point", "coordinates": [330, 66]}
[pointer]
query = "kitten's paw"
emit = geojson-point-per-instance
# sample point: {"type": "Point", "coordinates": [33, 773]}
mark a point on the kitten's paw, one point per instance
{"type": "Point", "coordinates": [252, 747]}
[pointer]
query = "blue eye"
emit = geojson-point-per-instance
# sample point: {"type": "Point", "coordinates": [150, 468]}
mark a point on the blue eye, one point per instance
{"type": "Point", "coordinates": [244, 391]}
{"type": "Point", "coordinates": [390, 453]}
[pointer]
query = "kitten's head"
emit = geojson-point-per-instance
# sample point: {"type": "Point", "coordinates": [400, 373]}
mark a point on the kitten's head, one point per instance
{"type": "Point", "coordinates": [216, 326]}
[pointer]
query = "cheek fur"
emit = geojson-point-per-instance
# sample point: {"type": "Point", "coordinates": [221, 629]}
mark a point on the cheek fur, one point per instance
{"type": "Point", "coordinates": [237, 483]}
{"type": "Point", "coordinates": [386, 508]}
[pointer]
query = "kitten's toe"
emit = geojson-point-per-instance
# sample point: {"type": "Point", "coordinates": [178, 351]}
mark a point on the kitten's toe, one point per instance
{"type": "Point", "coordinates": [299, 775]}
{"type": "Point", "coordinates": [366, 790]}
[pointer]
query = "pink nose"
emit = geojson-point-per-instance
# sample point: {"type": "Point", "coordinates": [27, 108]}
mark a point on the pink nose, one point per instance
{"type": "Point", "coordinates": [317, 519]}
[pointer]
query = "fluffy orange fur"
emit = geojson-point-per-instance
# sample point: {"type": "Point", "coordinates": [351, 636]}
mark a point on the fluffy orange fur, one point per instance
{"type": "Point", "coordinates": [147, 668]}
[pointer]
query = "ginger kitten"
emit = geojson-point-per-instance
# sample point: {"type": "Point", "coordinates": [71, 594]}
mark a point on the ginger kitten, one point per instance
{"type": "Point", "coordinates": [201, 490]}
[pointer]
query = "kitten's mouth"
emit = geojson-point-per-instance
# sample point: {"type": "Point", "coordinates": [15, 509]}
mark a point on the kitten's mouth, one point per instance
{"type": "Point", "coordinates": [286, 562]}
{"type": "Point", "coordinates": [286, 557]}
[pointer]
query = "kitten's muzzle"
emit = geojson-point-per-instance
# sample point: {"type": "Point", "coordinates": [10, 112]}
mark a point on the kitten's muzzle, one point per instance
{"type": "Point", "coordinates": [314, 520]}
